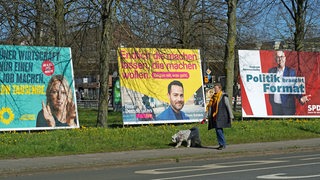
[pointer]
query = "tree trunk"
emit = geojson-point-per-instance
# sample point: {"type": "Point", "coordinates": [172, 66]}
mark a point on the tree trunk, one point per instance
{"type": "Point", "coordinates": [105, 58]}
{"type": "Point", "coordinates": [15, 26]}
{"type": "Point", "coordinates": [299, 23]}
{"type": "Point", "coordinates": [230, 46]}
{"type": "Point", "coordinates": [38, 23]}
{"type": "Point", "coordinates": [297, 11]}
{"type": "Point", "coordinates": [59, 23]}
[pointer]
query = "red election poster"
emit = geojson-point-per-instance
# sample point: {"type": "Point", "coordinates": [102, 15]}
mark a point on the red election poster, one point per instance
{"type": "Point", "coordinates": [277, 83]}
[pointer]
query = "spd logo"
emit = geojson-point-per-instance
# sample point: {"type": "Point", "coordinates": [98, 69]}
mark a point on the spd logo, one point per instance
{"type": "Point", "coordinates": [313, 108]}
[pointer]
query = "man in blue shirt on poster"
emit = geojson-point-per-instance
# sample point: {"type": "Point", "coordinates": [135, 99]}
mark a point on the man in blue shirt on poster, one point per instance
{"type": "Point", "coordinates": [176, 96]}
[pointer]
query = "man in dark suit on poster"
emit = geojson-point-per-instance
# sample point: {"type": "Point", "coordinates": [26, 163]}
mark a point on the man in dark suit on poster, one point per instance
{"type": "Point", "coordinates": [284, 104]}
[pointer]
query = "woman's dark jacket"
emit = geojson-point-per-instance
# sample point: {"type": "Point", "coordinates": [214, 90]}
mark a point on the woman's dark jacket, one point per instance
{"type": "Point", "coordinates": [224, 115]}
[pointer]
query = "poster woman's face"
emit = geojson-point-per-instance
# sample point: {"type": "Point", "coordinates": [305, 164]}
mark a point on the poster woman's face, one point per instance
{"type": "Point", "coordinates": [58, 96]}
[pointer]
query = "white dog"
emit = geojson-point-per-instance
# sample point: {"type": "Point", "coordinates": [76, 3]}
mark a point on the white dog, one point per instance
{"type": "Point", "coordinates": [191, 136]}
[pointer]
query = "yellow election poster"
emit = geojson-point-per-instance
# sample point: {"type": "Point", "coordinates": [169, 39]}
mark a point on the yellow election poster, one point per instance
{"type": "Point", "coordinates": [161, 85]}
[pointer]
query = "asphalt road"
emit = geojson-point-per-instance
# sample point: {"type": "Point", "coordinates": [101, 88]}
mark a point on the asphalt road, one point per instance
{"type": "Point", "coordinates": [297, 165]}
{"type": "Point", "coordinates": [84, 162]}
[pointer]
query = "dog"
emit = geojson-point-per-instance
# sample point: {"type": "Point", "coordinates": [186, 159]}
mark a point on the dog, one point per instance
{"type": "Point", "coordinates": [191, 136]}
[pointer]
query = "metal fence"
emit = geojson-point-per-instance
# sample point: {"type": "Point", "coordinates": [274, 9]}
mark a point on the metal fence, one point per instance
{"type": "Point", "coordinates": [87, 104]}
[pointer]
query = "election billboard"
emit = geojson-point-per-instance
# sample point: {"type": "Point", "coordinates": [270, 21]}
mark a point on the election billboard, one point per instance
{"type": "Point", "coordinates": [276, 83]}
{"type": "Point", "coordinates": [36, 88]}
{"type": "Point", "coordinates": [160, 85]}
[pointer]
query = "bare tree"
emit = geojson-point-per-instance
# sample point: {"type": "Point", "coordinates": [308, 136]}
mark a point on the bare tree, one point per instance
{"type": "Point", "coordinates": [32, 22]}
{"type": "Point", "coordinates": [143, 23]}
{"type": "Point", "coordinates": [105, 58]}
{"type": "Point", "coordinates": [38, 22]}
{"type": "Point", "coordinates": [292, 21]}
{"type": "Point", "coordinates": [230, 46]}
{"type": "Point", "coordinates": [180, 24]}
{"type": "Point", "coordinates": [59, 23]}
{"type": "Point", "coordinates": [297, 12]}
{"type": "Point", "coordinates": [11, 21]}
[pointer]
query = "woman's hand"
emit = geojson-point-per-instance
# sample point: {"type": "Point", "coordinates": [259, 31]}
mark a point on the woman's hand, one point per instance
{"type": "Point", "coordinates": [48, 115]}
{"type": "Point", "coordinates": [71, 114]}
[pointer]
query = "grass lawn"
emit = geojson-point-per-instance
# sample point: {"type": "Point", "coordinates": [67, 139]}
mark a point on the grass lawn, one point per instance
{"type": "Point", "coordinates": [89, 139]}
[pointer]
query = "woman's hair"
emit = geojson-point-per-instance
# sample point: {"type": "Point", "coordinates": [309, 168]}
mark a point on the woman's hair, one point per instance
{"type": "Point", "coordinates": [63, 82]}
{"type": "Point", "coordinates": [218, 84]}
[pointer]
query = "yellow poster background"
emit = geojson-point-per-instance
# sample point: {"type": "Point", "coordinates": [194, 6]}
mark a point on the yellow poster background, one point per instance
{"type": "Point", "coordinates": [150, 70]}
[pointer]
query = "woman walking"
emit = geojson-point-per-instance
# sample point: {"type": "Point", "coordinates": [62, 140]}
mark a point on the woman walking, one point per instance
{"type": "Point", "coordinates": [219, 114]}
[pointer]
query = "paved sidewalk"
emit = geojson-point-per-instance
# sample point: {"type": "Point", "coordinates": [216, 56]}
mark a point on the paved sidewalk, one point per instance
{"type": "Point", "coordinates": [16, 166]}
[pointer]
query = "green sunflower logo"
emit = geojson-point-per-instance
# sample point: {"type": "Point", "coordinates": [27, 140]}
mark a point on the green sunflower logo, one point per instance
{"type": "Point", "coordinates": [6, 115]}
